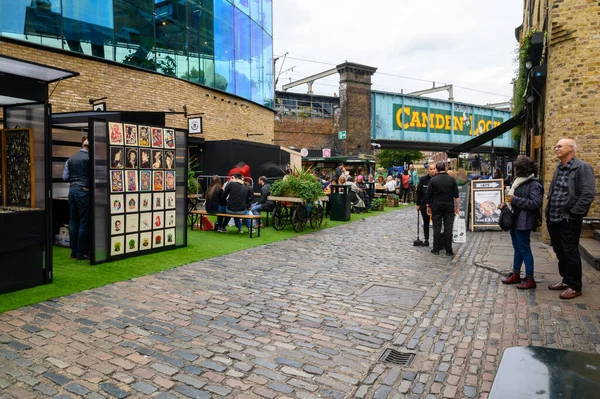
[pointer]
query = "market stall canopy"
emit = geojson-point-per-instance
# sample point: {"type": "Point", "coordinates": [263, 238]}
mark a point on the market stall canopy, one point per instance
{"type": "Point", "coordinates": [24, 82]}
{"type": "Point", "coordinates": [473, 144]}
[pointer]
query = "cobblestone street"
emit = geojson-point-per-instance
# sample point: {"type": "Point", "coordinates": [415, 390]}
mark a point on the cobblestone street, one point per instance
{"type": "Point", "coordinates": [307, 317]}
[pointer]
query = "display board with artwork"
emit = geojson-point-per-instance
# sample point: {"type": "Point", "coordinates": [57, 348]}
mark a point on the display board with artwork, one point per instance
{"type": "Point", "coordinates": [486, 195]}
{"type": "Point", "coordinates": [142, 188]}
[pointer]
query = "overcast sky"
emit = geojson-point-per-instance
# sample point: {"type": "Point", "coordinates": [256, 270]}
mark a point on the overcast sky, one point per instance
{"type": "Point", "coordinates": [468, 43]}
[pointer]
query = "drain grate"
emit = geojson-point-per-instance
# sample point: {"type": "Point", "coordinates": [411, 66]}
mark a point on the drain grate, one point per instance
{"type": "Point", "coordinates": [400, 358]}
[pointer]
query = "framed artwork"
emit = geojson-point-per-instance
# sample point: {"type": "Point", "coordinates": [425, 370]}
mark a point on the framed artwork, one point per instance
{"type": "Point", "coordinates": [116, 181]}
{"type": "Point", "coordinates": [132, 224]}
{"type": "Point", "coordinates": [169, 138]}
{"type": "Point", "coordinates": [158, 238]}
{"type": "Point", "coordinates": [145, 241]}
{"type": "Point", "coordinates": [170, 180]}
{"type": "Point", "coordinates": [115, 136]}
{"type": "Point", "coordinates": [169, 237]}
{"type": "Point", "coordinates": [169, 159]}
{"type": "Point", "coordinates": [145, 180]}
{"type": "Point", "coordinates": [131, 177]}
{"type": "Point", "coordinates": [170, 218]}
{"type": "Point", "coordinates": [158, 202]}
{"type": "Point", "coordinates": [170, 200]}
{"type": "Point", "coordinates": [157, 137]}
{"type": "Point", "coordinates": [145, 221]}
{"type": "Point", "coordinates": [131, 201]}
{"type": "Point", "coordinates": [195, 125]}
{"type": "Point", "coordinates": [145, 158]}
{"type": "Point", "coordinates": [116, 245]}
{"type": "Point", "coordinates": [158, 179]}
{"type": "Point", "coordinates": [131, 158]}
{"type": "Point", "coordinates": [132, 243]}
{"type": "Point", "coordinates": [158, 220]}
{"type": "Point", "coordinates": [145, 202]}
{"type": "Point", "coordinates": [144, 136]}
{"type": "Point", "coordinates": [117, 156]}
{"type": "Point", "coordinates": [117, 204]}
{"type": "Point", "coordinates": [18, 174]}
{"type": "Point", "coordinates": [131, 135]}
{"type": "Point", "coordinates": [117, 225]}
{"type": "Point", "coordinates": [157, 159]}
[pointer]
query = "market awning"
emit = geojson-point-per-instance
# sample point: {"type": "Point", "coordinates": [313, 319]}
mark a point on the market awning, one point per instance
{"type": "Point", "coordinates": [24, 82]}
{"type": "Point", "coordinates": [473, 144]}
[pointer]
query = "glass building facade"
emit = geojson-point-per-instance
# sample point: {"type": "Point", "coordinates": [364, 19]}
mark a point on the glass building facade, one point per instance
{"type": "Point", "coordinates": [224, 44]}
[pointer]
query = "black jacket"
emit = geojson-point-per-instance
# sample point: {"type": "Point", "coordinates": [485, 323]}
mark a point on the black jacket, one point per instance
{"type": "Point", "coordinates": [582, 190]}
{"type": "Point", "coordinates": [265, 191]}
{"type": "Point", "coordinates": [442, 190]}
{"type": "Point", "coordinates": [212, 202]}
{"type": "Point", "coordinates": [236, 195]}
{"type": "Point", "coordinates": [422, 190]}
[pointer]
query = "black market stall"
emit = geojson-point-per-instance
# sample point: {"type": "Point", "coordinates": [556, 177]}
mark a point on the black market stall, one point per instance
{"type": "Point", "coordinates": [25, 183]}
{"type": "Point", "coordinates": [138, 180]}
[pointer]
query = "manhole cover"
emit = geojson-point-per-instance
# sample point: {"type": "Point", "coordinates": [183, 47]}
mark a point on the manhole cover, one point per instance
{"type": "Point", "coordinates": [400, 358]}
{"type": "Point", "coordinates": [403, 297]}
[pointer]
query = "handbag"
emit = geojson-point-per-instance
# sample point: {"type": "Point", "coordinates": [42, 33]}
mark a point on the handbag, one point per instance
{"type": "Point", "coordinates": [506, 219]}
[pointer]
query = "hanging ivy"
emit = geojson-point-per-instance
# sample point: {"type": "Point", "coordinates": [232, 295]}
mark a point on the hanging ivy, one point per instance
{"type": "Point", "coordinates": [520, 83]}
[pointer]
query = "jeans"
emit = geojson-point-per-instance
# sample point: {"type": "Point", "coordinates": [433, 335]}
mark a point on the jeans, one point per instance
{"type": "Point", "coordinates": [238, 222]}
{"type": "Point", "coordinates": [255, 210]}
{"type": "Point", "coordinates": [220, 219]}
{"type": "Point", "coordinates": [564, 237]}
{"type": "Point", "coordinates": [521, 242]}
{"type": "Point", "coordinates": [442, 213]}
{"type": "Point", "coordinates": [79, 209]}
{"type": "Point", "coordinates": [404, 194]}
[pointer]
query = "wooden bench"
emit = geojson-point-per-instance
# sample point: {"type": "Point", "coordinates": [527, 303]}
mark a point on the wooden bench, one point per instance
{"type": "Point", "coordinates": [202, 213]}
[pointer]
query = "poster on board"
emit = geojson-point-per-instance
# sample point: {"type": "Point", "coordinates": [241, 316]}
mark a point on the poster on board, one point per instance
{"type": "Point", "coordinates": [486, 195]}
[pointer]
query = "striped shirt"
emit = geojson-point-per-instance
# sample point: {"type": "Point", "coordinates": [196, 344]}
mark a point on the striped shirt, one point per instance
{"type": "Point", "coordinates": [560, 192]}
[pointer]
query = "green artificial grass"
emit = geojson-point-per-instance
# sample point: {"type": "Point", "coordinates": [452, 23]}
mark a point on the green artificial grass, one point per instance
{"type": "Point", "coordinates": [71, 276]}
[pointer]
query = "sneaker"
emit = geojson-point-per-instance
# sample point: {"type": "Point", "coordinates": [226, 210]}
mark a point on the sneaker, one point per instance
{"type": "Point", "coordinates": [84, 257]}
{"type": "Point", "coordinates": [435, 252]}
{"type": "Point", "coordinates": [425, 243]}
{"type": "Point", "coordinates": [223, 230]}
{"type": "Point", "coordinates": [240, 231]}
{"type": "Point", "coordinates": [449, 253]}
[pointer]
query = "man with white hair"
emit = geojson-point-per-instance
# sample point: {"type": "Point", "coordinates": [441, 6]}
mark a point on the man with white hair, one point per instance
{"type": "Point", "coordinates": [570, 195]}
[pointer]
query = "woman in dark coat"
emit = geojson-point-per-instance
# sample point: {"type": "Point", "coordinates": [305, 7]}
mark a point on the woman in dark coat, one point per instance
{"type": "Point", "coordinates": [214, 199]}
{"type": "Point", "coordinates": [525, 198]}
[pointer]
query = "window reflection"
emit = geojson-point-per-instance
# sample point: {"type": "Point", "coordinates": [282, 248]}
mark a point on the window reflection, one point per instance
{"type": "Point", "coordinates": [225, 44]}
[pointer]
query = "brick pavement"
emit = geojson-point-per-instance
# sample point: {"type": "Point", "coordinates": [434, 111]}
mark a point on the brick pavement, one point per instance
{"type": "Point", "coordinates": [301, 318]}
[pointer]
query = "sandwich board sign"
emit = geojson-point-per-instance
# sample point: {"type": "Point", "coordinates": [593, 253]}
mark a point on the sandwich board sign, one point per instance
{"type": "Point", "coordinates": [486, 195]}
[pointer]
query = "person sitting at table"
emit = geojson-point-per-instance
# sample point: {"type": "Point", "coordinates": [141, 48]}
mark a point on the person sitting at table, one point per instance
{"type": "Point", "coordinates": [390, 185]}
{"type": "Point", "coordinates": [235, 193]}
{"type": "Point", "coordinates": [362, 191]}
{"type": "Point", "coordinates": [214, 194]}
{"type": "Point", "coordinates": [263, 203]}
{"type": "Point", "coordinates": [327, 183]}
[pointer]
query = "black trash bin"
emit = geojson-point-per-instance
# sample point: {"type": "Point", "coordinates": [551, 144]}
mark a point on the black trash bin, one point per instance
{"type": "Point", "coordinates": [340, 203]}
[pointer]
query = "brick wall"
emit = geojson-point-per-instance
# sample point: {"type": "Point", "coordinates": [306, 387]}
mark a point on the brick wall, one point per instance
{"type": "Point", "coordinates": [572, 107]}
{"type": "Point", "coordinates": [225, 116]}
{"type": "Point", "coordinates": [310, 133]}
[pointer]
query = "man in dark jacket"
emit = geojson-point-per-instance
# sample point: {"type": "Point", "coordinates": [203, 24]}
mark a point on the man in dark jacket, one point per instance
{"type": "Point", "coordinates": [76, 172]}
{"type": "Point", "coordinates": [421, 200]}
{"type": "Point", "coordinates": [442, 205]}
{"type": "Point", "coordinates": [263, 203]}
{"type": "Point", "coordinates": [570, 195]}
{"type": "Point", "coordinates": [236, 194]}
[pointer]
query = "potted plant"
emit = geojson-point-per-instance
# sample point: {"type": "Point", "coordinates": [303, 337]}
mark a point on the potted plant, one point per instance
{"type": "Point", "coordinates": [299, 183]}
{"type": "Point", "coordinates": [192, 183]}
{"type": "Point", "coordinates": [392, 200]}
{"type": "Point", "coordinates": [377, 204]}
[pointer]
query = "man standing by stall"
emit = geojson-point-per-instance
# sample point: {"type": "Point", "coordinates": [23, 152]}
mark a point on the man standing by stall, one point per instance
{"type": "Point", "coordinates": [421, 200]}
{"type": "Point", "coordinates": [76, 173]}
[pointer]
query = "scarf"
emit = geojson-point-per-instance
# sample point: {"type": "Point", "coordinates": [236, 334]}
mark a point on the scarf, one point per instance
{"type": "Point", "coordinates": [518, 181]}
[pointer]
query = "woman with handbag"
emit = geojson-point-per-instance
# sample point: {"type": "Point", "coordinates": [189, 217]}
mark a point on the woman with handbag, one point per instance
{"type": "Point", "coordinates": [524, 199]}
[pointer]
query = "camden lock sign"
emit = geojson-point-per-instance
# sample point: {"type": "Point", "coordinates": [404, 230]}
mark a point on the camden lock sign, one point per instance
{"type": "Point", "coordinates": [421, 119]}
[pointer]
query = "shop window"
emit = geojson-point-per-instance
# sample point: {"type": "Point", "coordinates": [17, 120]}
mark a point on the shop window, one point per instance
{"type": "Point", "coordinates": [242, 54]}
{"type": "Point", "coordinates": [134, 33]}
{"type": "Point", "coordinates": [201, 44]}
{"type": "Point", "coordinates": [88, 27]}
{"type": "Point", "coordinates": [224, 50]}
{"type": "Point", "coordinates": [268, 70]}
{"type": "Point", "coordinates": [256, 62]}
